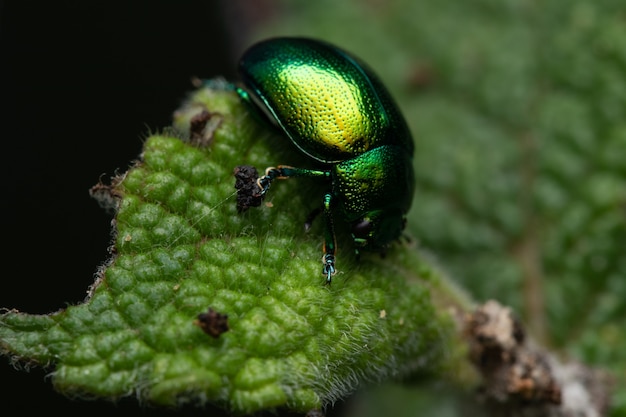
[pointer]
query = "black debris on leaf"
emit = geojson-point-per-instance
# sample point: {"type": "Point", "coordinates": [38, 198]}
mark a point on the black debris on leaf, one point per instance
{"type": "Point", "coordinates": [248, 191]}
{"type": "Point", "coordinates": [213, 323]}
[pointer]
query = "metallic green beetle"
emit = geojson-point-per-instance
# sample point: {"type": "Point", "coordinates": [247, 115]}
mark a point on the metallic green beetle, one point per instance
{"type": "Point", "coordinates": [336, 111]}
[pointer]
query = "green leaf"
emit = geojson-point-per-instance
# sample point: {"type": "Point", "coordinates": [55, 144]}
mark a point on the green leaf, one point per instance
{"type": "Point", "coordinates": [180, 248]}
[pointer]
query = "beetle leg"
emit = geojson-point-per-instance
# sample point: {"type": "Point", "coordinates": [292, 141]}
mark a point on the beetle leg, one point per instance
{"type": "Point", "coordinates": [329, 240]}
{"type": "Point", "coordinates": [312, 215]}
{"type": "Point", "coordinates": [284, 171]}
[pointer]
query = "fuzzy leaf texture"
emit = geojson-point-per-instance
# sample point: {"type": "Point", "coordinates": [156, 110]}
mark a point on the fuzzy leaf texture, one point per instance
{"type": "Point", "coordinates": [519, 114]}
{"type": "Point", "coordinates": [181, 248]}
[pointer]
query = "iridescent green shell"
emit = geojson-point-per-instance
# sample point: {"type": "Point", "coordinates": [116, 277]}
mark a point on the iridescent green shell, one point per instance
{"type": "Point", "coordinates": [330, 104]}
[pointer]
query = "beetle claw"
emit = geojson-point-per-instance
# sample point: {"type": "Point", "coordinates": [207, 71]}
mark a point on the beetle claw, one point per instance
{"type": "Point", "coordinates": [329, 267]}
{"type": "Point", "coordinates": [263, 183]}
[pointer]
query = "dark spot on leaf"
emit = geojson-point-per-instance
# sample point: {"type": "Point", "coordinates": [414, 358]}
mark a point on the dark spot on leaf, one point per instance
{"type": "Point", "coordinates": [422, 76]}
{"type": "Point", "coordinates": [202, 127]}
{"type": "Point", "coordinates": [213, 323]}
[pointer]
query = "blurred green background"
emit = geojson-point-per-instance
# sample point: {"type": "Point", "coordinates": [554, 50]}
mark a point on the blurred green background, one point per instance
{"type": "Point", "coordinates": [518, 110]}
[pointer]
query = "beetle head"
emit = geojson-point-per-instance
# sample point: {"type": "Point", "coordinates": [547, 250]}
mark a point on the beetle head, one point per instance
{"type": "Point", "coordinates": [377, 229]}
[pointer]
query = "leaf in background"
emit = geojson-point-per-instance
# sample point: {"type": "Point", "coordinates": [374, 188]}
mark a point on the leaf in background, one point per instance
{"type": "Point", "coordinates": [519, 114]}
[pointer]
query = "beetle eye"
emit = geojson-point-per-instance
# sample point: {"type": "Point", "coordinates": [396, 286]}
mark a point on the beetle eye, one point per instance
{"type": "Point", "coordinates": [362, 228]}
